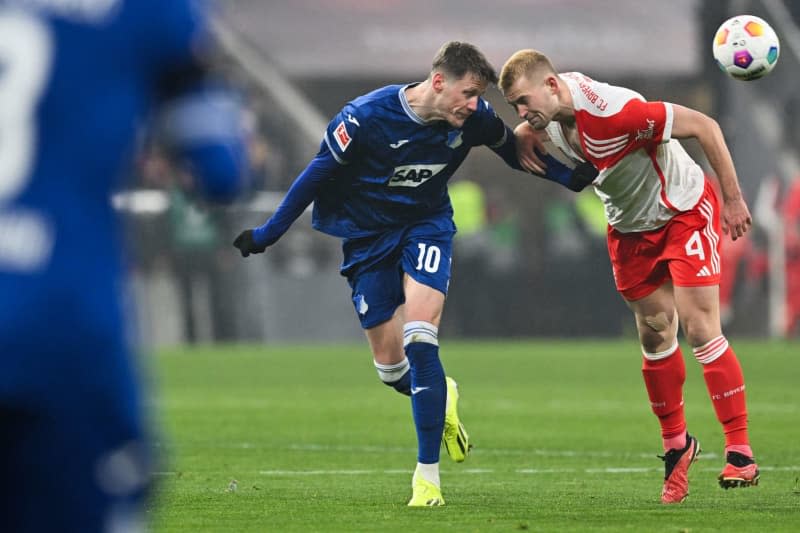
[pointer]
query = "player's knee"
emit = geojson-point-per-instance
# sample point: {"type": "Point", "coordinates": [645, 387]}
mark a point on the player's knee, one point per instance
{"type": "Point", "coordinates": [657, 322]}
{"type": "Point", "coordinates": [699, 332]}
{"type": "Point", "coordinates": [651, 342]}
{"type": "Point", "coordinates": [656, 332]}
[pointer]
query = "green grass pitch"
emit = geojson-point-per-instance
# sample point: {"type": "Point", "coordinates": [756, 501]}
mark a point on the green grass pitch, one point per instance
{"type": "Point", "coordinates": [563, 434]}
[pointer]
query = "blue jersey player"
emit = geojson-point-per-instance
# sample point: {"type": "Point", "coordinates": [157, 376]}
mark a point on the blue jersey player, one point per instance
{"type": "Point", "coordinates": [76, 80]}
{"type": "Point", "coordinates": [379, 182]}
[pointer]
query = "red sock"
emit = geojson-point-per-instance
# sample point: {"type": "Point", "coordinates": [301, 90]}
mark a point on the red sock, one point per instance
{"type": "Point", "coordinates": [664, 374]}
{"type": "Point", "coordinates": [725, 384]}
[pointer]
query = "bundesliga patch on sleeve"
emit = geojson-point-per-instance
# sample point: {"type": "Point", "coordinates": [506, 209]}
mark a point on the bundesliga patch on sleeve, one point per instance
{"type": "Point", "coordinates": [342, 138]}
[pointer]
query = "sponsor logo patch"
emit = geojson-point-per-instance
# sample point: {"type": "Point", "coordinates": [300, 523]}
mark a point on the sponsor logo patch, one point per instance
{"type": "Point", "coordinates": [414, 175]}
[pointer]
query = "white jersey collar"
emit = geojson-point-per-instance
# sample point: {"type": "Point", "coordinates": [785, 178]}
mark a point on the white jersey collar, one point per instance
{"type": "Point", "coordinates": [406, 106]}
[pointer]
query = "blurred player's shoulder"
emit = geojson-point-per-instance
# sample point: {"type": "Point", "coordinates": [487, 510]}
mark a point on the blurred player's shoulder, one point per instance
{"type": "Point", "coordinates": [157, 25]}
{"type": "Point", "coordinates": [79, 12]}
{"type": "Point", "coordinates": [103, 11]}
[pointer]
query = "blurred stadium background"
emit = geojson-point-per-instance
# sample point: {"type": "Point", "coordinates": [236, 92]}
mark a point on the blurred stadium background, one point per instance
{"type": "Point", "coordinates": [530, 258]}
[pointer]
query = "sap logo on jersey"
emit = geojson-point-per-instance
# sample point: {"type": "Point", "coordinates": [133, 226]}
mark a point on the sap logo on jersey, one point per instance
{"type": "Point", "coordinates": [414, 175]}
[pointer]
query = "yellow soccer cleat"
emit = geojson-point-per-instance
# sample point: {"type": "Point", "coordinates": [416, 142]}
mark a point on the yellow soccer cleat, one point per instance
{"type": "Point", "coordinates": [426, 494]}
{"type": "Point", "coordinates": [454, 438]}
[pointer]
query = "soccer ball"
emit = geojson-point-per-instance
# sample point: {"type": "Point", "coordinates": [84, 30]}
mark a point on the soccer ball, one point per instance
{"type": "Point", "coordinates": [746, 47]}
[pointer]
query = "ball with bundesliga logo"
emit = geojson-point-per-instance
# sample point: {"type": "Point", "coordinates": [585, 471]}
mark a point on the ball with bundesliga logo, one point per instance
{"type": "Point", "coordinates": [746, 47]}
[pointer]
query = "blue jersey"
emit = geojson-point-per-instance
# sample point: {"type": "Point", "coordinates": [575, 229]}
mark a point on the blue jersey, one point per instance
{"type": "Point", "coordinates": [394, 165]}
{"type": "Point", "coordinates": [76, 81]}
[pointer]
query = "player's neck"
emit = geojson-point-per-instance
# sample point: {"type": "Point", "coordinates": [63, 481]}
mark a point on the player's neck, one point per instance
{"type": "Point", "coordinates": [420, 98]}
{"type": "Point", "coordinates": [566, 108]}
{"type": "Point", "coordinates": [565, 117]}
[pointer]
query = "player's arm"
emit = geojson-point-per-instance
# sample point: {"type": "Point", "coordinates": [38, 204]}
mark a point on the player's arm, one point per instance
{"type": "Point", "coordinates": [203, 128]}
{"type": "Point", "coordinates": [302, 192]}
{"type": "Point", "coordinates": [574, 179]}
{"type": "Point", "coordinates": [339, 147]}
{"type": "Point", "coordinates": [200, 117]}
{"type": "Point", "coordinates": [691, 123]}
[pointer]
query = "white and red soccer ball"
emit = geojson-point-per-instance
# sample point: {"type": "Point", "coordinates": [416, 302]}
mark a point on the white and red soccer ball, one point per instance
{"type": "Point", "coordinates": [746, 47]}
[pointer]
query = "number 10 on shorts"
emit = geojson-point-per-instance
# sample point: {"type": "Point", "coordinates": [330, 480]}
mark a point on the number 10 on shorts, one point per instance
{"type": "Point", "coordinates": [429, 257]}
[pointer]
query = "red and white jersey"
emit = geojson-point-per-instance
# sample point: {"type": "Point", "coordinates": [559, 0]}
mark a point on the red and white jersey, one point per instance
{"type": "Point", "coordinates": [646, 177]}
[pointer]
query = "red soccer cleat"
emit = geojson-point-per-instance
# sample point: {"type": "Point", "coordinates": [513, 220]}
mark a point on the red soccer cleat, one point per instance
{"type": "Point", "coordinates": [676, 469]}
{"type": "Point", "coordinates": [740, 471]}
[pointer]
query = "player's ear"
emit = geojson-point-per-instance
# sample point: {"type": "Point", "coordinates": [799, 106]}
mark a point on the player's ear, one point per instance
{"type": "Point", "coordinates": [438, 81]}
{"type": "Point", "coordinates": [552, 83]}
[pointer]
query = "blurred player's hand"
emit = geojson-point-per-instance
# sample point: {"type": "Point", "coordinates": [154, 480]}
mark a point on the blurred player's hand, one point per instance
{"type": "Point", "coordinates": [247, 245]}
{"type": "Point", "coordinates": [529, 142]}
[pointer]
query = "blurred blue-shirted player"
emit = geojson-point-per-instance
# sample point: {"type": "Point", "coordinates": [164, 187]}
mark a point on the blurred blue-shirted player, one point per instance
{"type": "Point", "coordinates": [379, 182]}
{"type": "Point", "coordinates": [76, 81]}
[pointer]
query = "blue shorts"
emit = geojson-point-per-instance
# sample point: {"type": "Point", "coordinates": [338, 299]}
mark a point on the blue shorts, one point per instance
{"type": "Point", "coordinates": [374, 266]}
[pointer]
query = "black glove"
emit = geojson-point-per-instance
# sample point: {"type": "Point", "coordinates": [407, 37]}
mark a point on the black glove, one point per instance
{"type": "Point", "coordinates": [582, 175]}
{"type": "Point", "coordinates": [246, 245]}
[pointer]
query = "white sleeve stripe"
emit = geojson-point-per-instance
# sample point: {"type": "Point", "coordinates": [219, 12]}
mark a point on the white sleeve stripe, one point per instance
{"type": "Point", "coordinates": [601, 147]}
{"type": "Point", "coordinates": [333, 152]}
{"type": "Point", "coordinates": [599, 142]}
{"type": "Point", "coordinates": [604, 153]}
{"type": "Point", "coordinates": [667, 135]}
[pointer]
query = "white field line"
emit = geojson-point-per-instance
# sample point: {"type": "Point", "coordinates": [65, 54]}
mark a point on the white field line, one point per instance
{"type": "Point", "coordinates": [327, 448]}
{"type": "Point", "coordinates": [481, 451]}
{"type": "Point", "coordinates": [479, 471]}
{"type": "Point", "coordinates": [473, 471]}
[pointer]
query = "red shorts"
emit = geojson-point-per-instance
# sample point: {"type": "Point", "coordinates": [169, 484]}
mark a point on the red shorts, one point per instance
{"type": "Point", "coordinates": [686, 250]}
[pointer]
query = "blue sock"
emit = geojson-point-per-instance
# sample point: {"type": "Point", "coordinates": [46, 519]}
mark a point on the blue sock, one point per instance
{"type": "Point", "coordinates": [396, 376]}
{"type": "Point", "coordinates": [428, 388]}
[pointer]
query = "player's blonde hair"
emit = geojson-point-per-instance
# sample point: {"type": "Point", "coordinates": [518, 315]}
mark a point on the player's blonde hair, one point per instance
{"type": "Point", "coordinates": [524, 63]}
